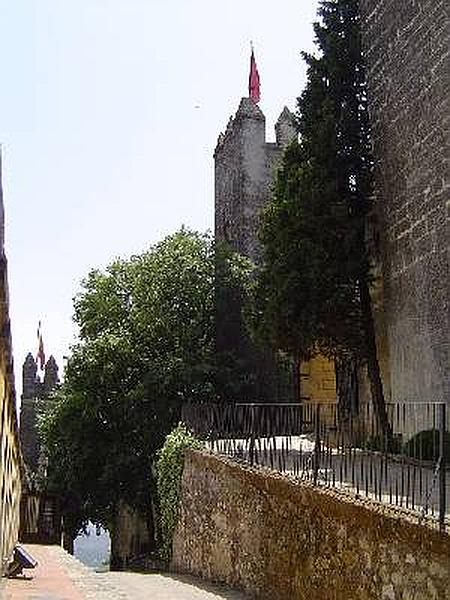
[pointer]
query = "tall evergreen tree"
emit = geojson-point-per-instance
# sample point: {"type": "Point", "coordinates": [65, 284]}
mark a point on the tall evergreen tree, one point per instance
{"type": "Point", "coordinates": [313, 291]}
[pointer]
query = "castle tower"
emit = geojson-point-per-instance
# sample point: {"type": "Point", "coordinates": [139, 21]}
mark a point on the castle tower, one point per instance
{"type": "Point", "coordinates": [285, 130]}
{"type": "Point", "coordinates": [244, 169]}
{"type": "Point", "coordinates": [245, 165]}
{"type": "Point", "coordinates": [35, 394]}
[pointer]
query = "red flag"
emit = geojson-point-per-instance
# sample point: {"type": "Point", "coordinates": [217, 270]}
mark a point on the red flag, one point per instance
{"type": "Point", "coordinates": [253, 80]}
{"type": "Point", "coordinates": [40, 358]}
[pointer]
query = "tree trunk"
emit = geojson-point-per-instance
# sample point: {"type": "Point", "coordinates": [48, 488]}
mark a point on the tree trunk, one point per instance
{"type": "Point", "coordinates": [373, 368]}
{"type": "Point", "coordinates": [131, 541]}
{"type": "Point", "coordinates": [67, 542]}
{"type": "Point", "coordinates": [347, 387]}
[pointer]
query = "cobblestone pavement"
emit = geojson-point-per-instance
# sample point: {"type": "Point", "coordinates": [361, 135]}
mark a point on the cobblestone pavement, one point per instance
{"type": "Point", "coordinates": [59, 576]}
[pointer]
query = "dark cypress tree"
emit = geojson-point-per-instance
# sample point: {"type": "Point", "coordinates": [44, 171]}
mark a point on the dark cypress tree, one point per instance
{"type": "Point", "coordinates": [313, 291]}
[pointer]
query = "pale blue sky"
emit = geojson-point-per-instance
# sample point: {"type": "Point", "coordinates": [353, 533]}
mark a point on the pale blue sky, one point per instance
{"type": "Point", "coordinates": [109, 115]}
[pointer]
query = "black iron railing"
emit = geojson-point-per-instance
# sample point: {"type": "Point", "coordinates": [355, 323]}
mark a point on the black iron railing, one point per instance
{"type": "Point", "coordinates": [406, 465]}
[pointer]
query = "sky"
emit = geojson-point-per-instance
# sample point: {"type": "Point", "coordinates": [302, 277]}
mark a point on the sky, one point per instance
{"type": "Point", "coordinates": [109, 114]}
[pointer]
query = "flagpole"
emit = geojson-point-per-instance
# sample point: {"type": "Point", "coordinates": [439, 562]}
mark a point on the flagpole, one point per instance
{"type": "Point", "coordinates": [253, 80]}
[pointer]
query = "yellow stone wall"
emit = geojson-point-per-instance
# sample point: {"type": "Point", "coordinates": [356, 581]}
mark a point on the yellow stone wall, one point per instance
{"type": "Point", "coordinates": [10, 470]}
{"type": "Point", "coordinates": [11, 464]}
{"type": "Point", "coordinates": [318, 380]}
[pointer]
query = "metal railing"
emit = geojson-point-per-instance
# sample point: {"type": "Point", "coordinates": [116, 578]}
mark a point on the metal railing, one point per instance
{"type": "Point", "coordinates": [406, 466]}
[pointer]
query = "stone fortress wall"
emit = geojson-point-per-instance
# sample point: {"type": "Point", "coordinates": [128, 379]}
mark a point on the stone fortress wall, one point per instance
{"type": "Point", "coordinates": [284, 539]}
{"type": "Point", "coordinates": [407, 55]}
{"type": "Point", "coordinates": [11, 464]}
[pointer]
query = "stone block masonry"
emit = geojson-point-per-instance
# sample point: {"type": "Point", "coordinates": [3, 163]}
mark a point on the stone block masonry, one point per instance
{"type": "Point", "coordinates": [406, 46]}
{"type": "Point", "coordinates": [11, 463]}
{"type": "Point", "coordinates": [280, 539]}
{"type": "Point", "coordinates": [244, 170]}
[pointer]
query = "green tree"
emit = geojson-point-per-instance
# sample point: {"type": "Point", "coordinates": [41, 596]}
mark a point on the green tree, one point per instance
{"type": "Point", "coordinates": [146, 346]}
{"type": "Point", "coordinates": [313, 291]}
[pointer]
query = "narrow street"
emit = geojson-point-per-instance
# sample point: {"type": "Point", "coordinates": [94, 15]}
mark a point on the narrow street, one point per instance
{"type": "Point", "coordinates": [59, 576]}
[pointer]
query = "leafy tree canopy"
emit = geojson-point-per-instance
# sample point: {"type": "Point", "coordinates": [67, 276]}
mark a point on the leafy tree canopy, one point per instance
{"type": "Point", "coordinates": [146, 345]}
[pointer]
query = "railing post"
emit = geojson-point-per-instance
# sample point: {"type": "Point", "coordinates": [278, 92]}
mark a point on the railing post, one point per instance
{"type": "Point", "coordinates": [316, 445]}
{"type": "Point", "coordinates": [442, 469]}
{"type": "Point", "coordinates": [251, 451]}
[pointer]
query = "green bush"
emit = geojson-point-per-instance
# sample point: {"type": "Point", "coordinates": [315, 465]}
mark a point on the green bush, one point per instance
{"type": "Point", "coordinates": [425, 445]}
{"type": "Point", "coordinates": [383, 443]}
{"type": "Point", "coordinates": [169, 468]}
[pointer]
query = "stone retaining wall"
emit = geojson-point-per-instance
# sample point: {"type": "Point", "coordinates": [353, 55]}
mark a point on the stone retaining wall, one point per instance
{"type": "Point", "coordinates": [284, 540]}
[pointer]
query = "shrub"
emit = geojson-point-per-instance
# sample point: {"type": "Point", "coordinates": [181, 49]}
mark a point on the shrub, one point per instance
{"type": "Point", "coordinates": [383, 443]}
{"type": "Point", "coordinates": [425, 445]}
{"type": "Point", "coordinates": [169, 468]}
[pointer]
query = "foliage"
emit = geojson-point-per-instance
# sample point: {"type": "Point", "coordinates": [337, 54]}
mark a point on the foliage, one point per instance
{"type": "Point", "coordinates": [146, 345]}
{"type": "Point", "coordinates": [235, 351]}
{"type": "Point", "coordinates": [383, 443]}
{"type": "Point", "coordinates": [169, 471]}
{"type": "Point", "coordinates": [313, 231]}
{"type": "Point", "coordinates": [313, 293]}
{"type": "Point", "coordinates": [425, 445]}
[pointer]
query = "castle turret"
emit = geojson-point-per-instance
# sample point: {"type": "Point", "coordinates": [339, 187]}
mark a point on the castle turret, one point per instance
{"type": "Point", "coordinates": [29, 379]}
{"type": "Point", "coordinates": [285, 130]}
{"type": "Point", "coordinates": [51, 378]}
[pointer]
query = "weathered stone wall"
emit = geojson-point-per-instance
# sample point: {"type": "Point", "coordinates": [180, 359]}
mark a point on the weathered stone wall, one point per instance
{"type": "Point", "coordinates": [29, 433]}
{"type": "Point", "coordinates": [318, 380]}
{"type": "Point", "coordinates": [279, 539]}
{"type": "Point", "coordinates": [406, 48]}
{"type": "Point", "coordinates": [11, 468]}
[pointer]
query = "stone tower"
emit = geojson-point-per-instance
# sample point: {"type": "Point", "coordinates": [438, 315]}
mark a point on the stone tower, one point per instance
{"type": "Point", "coordinates": [245, 165]}
{"type": "Point", "coordinates": [35, 394]}
{"type": "Point", "coordinates": [244, 170]}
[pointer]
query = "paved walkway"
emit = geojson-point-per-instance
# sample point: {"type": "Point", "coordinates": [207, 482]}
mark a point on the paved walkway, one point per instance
{"type": "Point", "coordinates": [59, 576]}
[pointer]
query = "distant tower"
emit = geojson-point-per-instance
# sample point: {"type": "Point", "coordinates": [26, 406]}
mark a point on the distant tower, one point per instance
{"type": "Point", "coordinates": [35, 394]}
{"type": "Point", "coordinates": [51, 378]}
{"type": "Point", "coordinates": [245, 166]}
{"type": "Point", "coordinates": [29, 377]}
